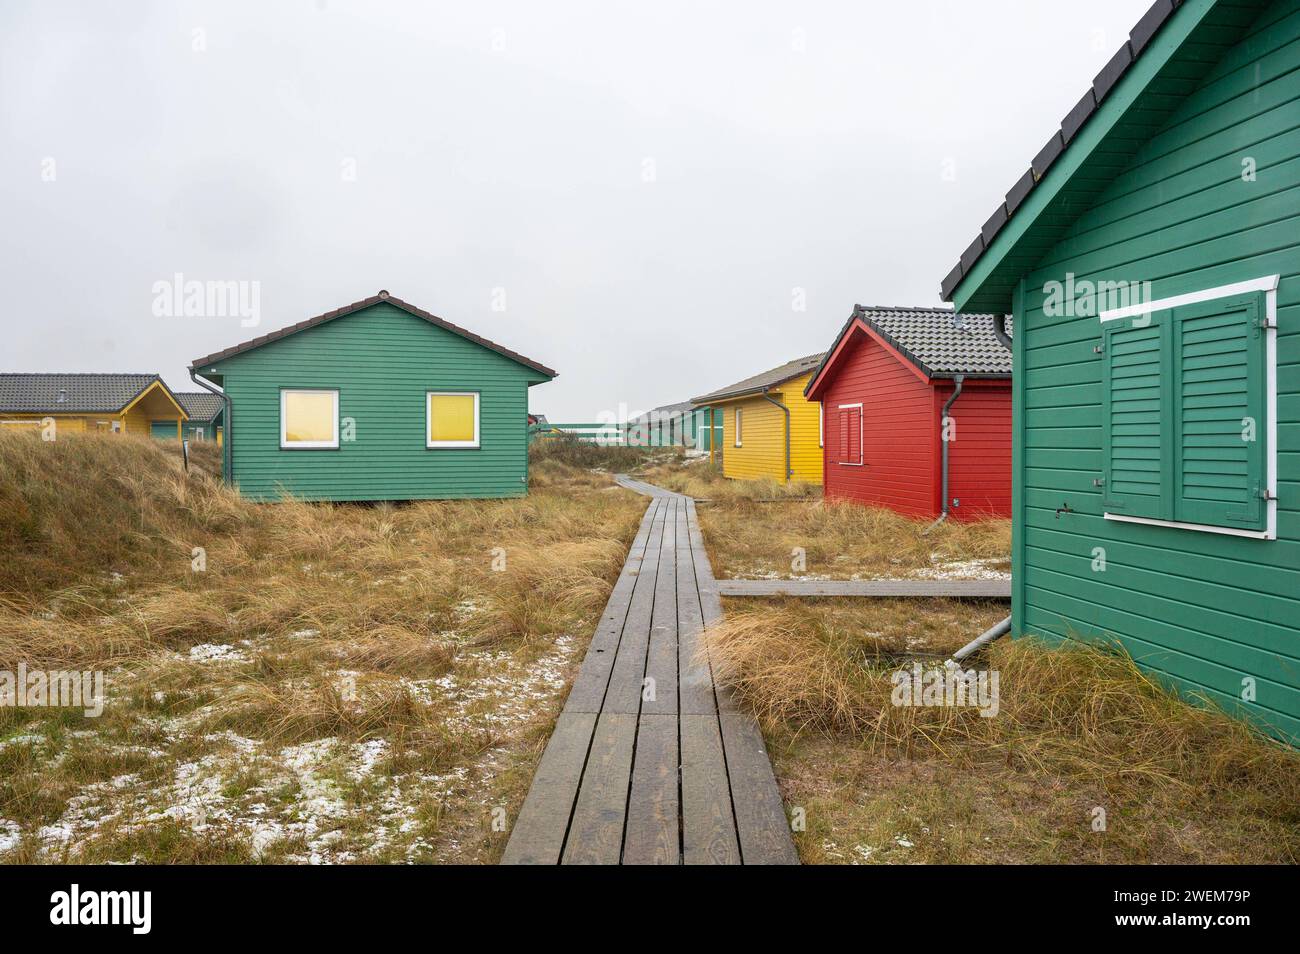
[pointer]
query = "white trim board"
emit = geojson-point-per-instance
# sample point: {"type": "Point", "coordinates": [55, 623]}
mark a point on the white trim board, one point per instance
{"type": "Point", "coordinates": [862, 437]}
{"type": "Point", "coordinates": [430, 444]}
{"type": "Point", "coordinates": [1268, 284]}
{"type": "Point", "coordinates": [286, 444]}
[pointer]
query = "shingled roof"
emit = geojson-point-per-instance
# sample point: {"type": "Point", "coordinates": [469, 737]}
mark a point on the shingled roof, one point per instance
{"type": "Point", "coordinates": [938, 342]}
{"type": "Point", "coordinates": [201, 405]}
{"type": "Point", "coordinates": [761, 382]}
{"type": "Point", "coordinates": [356, 306]}
{"type": "Point", "coordinates": [72, 393]}
{"type": "Point", "coordinates": [1139, 40]}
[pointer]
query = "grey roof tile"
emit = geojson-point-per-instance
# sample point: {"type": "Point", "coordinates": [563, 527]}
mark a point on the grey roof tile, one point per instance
{"type": "Point", "coordinates": [938, 342]}
{"type": "Point", "coordinates": [768, 379]}
{"type": "Point", "coordinates": [57, 393]}
{"type": "Point", "coordinates": [200, 405]}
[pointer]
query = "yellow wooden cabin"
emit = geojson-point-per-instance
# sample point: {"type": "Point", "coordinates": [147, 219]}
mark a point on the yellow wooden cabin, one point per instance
{"type": "Point", "coordinates": [769, 429]}
{"type": "Point", "coordinates": [139, 404]}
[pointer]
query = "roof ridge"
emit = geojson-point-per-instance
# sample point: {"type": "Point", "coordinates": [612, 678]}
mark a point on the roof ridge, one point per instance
{"type": "Point", "coordinates": [382, 296]}
{"type": "Point", "coordinates": [941, 309]}
{"type": "Point", "coordinates": [82, 374]}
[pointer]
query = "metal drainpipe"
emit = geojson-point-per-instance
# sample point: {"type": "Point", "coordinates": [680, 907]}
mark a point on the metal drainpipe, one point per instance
{"type": "Point", "coordinates": [947, 504]}
{"type": "Point", "coordinates": [1000, 331]}
{"type": "Point", "coordinates": [227, 457]}
{"type": "Point", "coordinates": [789, 473]}
{"type": "Point", "coordinates": [979, 642]}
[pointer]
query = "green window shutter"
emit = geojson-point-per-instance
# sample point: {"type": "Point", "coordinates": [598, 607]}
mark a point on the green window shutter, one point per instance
{"type": "Point", "coordinates": [1219, 412]}
{"type": "Point", "coordinates": [1137, 449]}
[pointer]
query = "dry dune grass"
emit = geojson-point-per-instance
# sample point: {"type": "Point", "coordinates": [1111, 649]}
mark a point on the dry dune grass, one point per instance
{"type": "Point", "coordinates": [1077, 727]}
{"type": "Point", "coordinates": [702, 479]}
{"type": "Point", "coordinates": [389, 643]}
{"type": "Point", "coordinates": [752, 527]}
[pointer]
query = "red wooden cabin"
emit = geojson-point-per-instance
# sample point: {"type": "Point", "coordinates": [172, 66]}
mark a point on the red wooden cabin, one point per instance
{"type": "Point", "coordinates": [883, 387]}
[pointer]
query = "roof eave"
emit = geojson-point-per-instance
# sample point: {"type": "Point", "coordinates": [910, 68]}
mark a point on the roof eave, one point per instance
{"type": "Point", "coordinates": [984, 285]}
{"type": "Point", "coordinates": [748, 392]}
{"type": "Point", "coordinates": [280, 334]}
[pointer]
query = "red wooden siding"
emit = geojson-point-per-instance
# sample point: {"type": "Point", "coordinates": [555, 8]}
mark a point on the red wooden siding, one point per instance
{"type": "Point", "coordinates": [979, 457]}
{"type": "Point", "coordinates": [898, 427]}
{"type": "Point", "coordinates": [897, 432]}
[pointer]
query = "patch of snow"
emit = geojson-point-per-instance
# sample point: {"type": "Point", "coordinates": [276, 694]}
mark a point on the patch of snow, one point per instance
{"type": "Point", "coordinates": [216, 652]}
{"type": "Point", "coordinates": [962, 570]}
{"type": "Point", "coordinates": [10, 835]}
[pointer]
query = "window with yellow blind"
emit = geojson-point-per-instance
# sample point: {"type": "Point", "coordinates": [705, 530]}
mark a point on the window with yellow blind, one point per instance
{"type": "Point", "coordinates": [451, 419]}
{"type": "Point", "coordinates": [309, 419]}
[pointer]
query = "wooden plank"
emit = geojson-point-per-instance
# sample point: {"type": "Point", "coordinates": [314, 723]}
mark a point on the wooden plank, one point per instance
{"type": "Point", "coordinates": [710, 604]}
{"type": "Point", "coordinates": [649, 490]}
{"type": "Point", "coordinates": [760, 813]}
{"type": "Point", "coordinates": [708, 826]}
{"type": "Point", "coordinates": [964, 589]}
{"type": "Point", "coordinates": [695, 677]}
{"type": "Point", "coordinates": [710, 600]}
{"type": "Point", "coordinates": [624, 693]}
{"type": "Point", "coordinates": [651, 835]}
{"type": "Point", "coordinates": [661, 657]}
{"type": "Point", "coordinates": [588, 692]}
{"type": "Point", "coordinates": [596, 832]}
{"type": "Point", "coordinates": [538, 834]}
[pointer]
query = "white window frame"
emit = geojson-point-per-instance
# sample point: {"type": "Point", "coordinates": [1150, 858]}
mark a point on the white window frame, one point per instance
{"type": "Point", "coordinates": [862, 450]}
{"type": "Point", "coordinates": [1267, 285]}
{"type": "Point", "coordinates": [286, 444]}
{"type": "Point", "coordinates": [739, 420]}
{"type": "Point", "coordinates": [821, 424]}
{"type": "Point", "coordinates": [451, 445]}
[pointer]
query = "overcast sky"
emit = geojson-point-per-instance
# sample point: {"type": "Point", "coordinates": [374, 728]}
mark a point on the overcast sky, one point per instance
{"type": "Point", "coordinates": [639, 195]}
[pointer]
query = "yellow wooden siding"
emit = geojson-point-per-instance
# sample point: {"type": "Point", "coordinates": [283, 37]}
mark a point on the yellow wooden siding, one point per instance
{"type": "Point", "coordinates": [762, 453]}
{"type": "Point", "coordinates": [805, 450]}
{"type": "Point", "coordinates": [63, 423]}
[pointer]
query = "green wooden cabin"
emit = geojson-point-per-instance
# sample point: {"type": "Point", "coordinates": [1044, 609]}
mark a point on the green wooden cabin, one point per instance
{"type": "Point", "coordinates": [1150, 259]}
{"type": "Point", "coordinates": [674, 425]}
{"type": "Point", "coordinates": [378, 400]}
{"type": "Point", "coordinates": [204, 411]}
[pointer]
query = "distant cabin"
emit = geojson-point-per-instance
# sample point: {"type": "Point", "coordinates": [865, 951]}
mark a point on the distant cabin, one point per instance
{"type": "Point", "coordinates": [137, 404]}
{"type": "Point", "coordinates": [206, 416]}
{"type": "Point", "coordinates": [674, 425]}
{"type": "Point", "coordinates": [1151, 259]}
{"type": "Point", "coordinates": [899, 387]}
{"type": "Point", "coordinates": [769, 429]}
{"type": "Point", "coordinates": [378, 400]}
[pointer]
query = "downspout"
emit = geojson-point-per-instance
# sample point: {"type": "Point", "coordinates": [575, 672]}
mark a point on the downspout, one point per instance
{"type": "Point", "coordinates": [771, 400]}
{"type": "Point", "coordinates": [227, 457]}
{"type": "Point", "coordinates": [1000, 331]}
{"type": "Point", "coordinates": [943, 480]}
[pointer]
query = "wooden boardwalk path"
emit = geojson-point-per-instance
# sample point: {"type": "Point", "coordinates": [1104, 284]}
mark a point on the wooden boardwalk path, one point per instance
{"type": "Point", "coordinates": [650, 761]}
{"type": "Point", "coordinates": [965, 589]}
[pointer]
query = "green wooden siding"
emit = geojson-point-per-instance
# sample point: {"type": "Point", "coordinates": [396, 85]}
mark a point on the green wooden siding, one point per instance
{"type": "Point", "coordinates": [163, 430]}
{"type": "Point", "coordinates": [383, 361]}
{"type": "Point", "coordinates": [1206, 610]}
